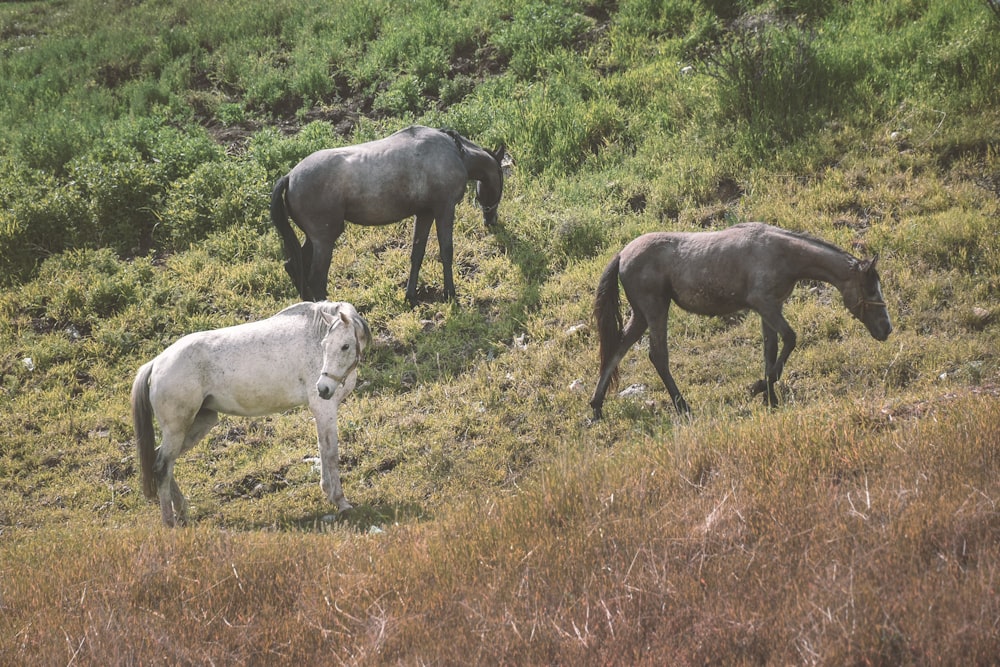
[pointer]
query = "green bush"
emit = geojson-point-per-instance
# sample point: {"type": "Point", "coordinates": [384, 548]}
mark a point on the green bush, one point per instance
{"type": "Point", "coordinates": [84, 287]}
{"type": "Point", "coordinates": [51, 142]}
{"type": "Point", "coordinates": [402, 98]}
{"type": "Point", "coordinates": [44, 219]}
{"type": "Point", "coordinates": [538, 29]}
{"type": "Point", "coordinates": [771, 79]}
{"type": "Point", "coordinates": [560, 123]}
{"type": "Point", "coordinates": [580, 237]}
{"type": "Point", "coordinates": [277, 154]}
{"type": "Point", "coordinates": [216, 196]}
{"type": "Point", "coordinates": [962, 240]}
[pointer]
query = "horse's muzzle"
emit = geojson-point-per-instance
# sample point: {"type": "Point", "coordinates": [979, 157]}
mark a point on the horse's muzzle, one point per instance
{"type": "Point", "coordinates": [327, 385]}
{"type": "Point", "coordinates": [881, 333]}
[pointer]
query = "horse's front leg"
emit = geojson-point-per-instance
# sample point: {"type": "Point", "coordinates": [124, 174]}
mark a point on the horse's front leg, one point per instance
{"type": "Point", "coordinates": [329, 455]}
{"type": "Point", "coordinates": [766, 386]}
{"type": "Point", "coordinates": [773, 327]}
{"type": "Point", "coordinates": [421, 230]}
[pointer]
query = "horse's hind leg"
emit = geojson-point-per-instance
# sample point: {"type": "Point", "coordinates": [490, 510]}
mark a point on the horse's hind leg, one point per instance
{"type": "Point", "coordinates": [631, 333]}
{"type": "Point", "coordinates": [203, 423]}
{"type": "Point", "coordinates": [318, 267]}
{"type": "Point", "coordinates": [167, 491]}
{"type": "Point", "coordinates": [173, 504]}
{"type": "Point", "coordinates": [304, 265]}
{"type": "Point", "coordinates": [660, 357]}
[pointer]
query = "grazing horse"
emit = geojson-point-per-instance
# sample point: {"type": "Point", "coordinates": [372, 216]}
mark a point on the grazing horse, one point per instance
{"type": "Point", "coordinates": [750, 265]}
{"type": "Point", "coordinates": [307, 354]}
{"type": "Point", "coordinates": [417, 171]}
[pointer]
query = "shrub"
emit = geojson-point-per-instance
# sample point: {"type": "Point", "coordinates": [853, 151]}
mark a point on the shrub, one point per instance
{"type": "Point", "coordinates": [561, 122]}
{"type": "Point", "coordinates": [770, 78]}
{"type": "Point", "coordinates": [216, 196]}
{"type": "Point", "coordinates": [50, 142]}
{"type": "Point", "coordinates": [84, 287]}
{"type": "Point", "coordinates": [580, 237]}
{"type": "Point", "coordinates": [124, 178]}
{"type": "Point", "coordinates": [536, 30]}
{"type": "Point", "coordinates": [402, 97]}
{"type": "Point", "coordinates": [952, 240]}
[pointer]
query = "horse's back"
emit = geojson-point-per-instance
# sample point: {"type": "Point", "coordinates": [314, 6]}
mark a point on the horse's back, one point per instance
{"type": "Point", "coordinates": [417, 169]}
{"type": "Point", "coordinates": [708, 273]}
{"type": "Point", "coordinates": [234, 369]}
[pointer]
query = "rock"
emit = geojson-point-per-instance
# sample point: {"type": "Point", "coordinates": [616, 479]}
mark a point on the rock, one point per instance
{"type": "Point", "coordinates": [633, 390]}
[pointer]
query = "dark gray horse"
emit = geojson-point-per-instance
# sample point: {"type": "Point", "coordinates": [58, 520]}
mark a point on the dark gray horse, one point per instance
{"type": "Point", "coordinates": [751, 265]}
{"type": "Point", "coordinates": [417, 171]}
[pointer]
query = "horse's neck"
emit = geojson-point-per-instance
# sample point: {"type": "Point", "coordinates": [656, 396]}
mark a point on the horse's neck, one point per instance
{"type": "Point", "coordinates": [481, 166]}
{"type": "Point", "coordinates": [820, 261]}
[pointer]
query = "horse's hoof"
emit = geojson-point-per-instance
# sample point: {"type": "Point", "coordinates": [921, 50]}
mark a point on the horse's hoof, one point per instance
{"type": "Point", "coordinates": [343, 505]}
{"type": "Point", "coordinates": [758, 387]}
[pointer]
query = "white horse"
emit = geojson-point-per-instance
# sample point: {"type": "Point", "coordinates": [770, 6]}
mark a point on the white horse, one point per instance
{"type": "Point", "coordinates": [307, 354]}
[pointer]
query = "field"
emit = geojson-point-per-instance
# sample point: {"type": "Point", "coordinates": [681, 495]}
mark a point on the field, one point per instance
{"type": "Point", "coordinates": [495, 522]}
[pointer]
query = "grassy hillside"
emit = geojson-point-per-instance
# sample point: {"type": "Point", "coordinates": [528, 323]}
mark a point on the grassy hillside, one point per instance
{"type": "Point", "coordinates": [494, 522]}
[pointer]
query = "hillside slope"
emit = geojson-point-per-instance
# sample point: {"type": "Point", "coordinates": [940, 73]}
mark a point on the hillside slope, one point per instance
{"type": "Point", "coordinates": [494, 520]}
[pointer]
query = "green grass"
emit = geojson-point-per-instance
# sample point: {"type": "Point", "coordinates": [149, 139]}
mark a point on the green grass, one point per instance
{"type": "Point", "coordinates": [854, 524]}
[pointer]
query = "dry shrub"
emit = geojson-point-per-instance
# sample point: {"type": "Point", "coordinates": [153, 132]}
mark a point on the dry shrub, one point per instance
{"type": "Point", "coordinates": [782, 539]}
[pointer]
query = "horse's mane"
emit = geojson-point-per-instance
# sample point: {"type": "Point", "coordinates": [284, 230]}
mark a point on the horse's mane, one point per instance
{"type": "Point", "coordinates": [312, 309]}
{"type": "Point", "coordinates": [814, 240]}
{"type": "Point", "coordinates": [456, 137]}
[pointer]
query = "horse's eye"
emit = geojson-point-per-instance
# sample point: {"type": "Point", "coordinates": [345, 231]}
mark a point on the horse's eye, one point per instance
{"type": "Point", "coordinates": [345, 347]}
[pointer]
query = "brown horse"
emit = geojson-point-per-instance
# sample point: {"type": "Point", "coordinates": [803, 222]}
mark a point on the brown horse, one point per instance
{"type": "Point", "coordinates": [417, 171]}
{"type": "Point", "coordinates": [748, 266]}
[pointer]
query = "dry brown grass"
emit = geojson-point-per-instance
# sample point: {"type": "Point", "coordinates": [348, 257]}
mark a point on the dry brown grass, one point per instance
{"type": "Point", "coordinates": [796, 537]}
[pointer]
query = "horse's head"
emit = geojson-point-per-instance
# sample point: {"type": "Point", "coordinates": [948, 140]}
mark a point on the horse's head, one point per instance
{"type": "Point", "coordinates": [345, 340]}
{"type": "Point", "coordinates": [489, 190]}
{"type": "Point", "coordinates": [863, 297]}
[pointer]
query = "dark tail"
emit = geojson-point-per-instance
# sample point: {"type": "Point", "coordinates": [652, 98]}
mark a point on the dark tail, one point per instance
{"type": "Point", "coordinates": [293, 251]}
{"type": "Point", "coordinates": [142, 421]}
{"type": "Point", "coordinates": [607, 312]}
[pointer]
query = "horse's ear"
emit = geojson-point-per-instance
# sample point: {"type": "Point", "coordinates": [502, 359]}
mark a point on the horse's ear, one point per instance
{"type": "Point", "coordinates": [499, 153]}
{"type": "Point", "coordinates": [328, 318]}
{"type": "Point", "coordinates": [363, 331]}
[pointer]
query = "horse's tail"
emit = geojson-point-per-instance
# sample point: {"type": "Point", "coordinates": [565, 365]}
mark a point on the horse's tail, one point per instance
{"type": "Point", "coordinates": [142, 421]}
{"type": "Point", "coordinates": [607, 312]}
{"type": "Point", "coordinates": [293, 251]}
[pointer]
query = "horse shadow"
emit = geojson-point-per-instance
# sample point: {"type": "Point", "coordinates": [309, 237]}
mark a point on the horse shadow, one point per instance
{"type": "Point", "coordinates": [446, 343]}
{"type": "Point", "coordinates": [531, 261]}
{"type": "Point", "coordinates": [368, 518]}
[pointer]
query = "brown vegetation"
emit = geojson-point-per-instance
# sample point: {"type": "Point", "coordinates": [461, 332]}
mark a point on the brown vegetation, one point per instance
{"type": "Point", "coordinates": [763, 547]}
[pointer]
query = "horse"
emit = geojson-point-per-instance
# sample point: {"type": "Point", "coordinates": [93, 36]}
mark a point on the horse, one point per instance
{"type": "Point", "coordinates": [748, 266]}
{"type": "Point", "coordinates": [417, 171]}
{"type": "Point", "coordinates": [307, 354]}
